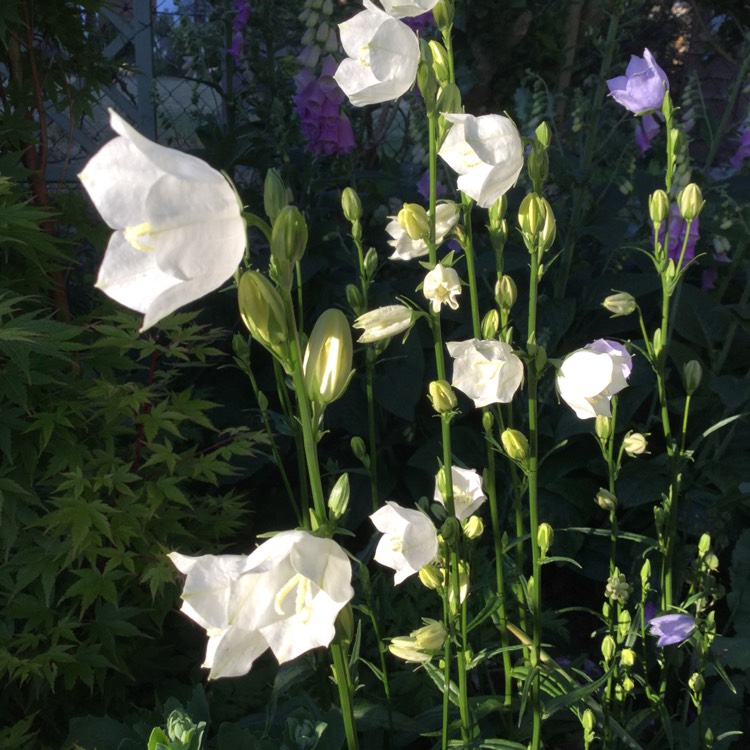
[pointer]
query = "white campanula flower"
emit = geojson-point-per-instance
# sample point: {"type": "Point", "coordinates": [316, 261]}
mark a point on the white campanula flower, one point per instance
{"type": "Point", "coordinates": [285, 596]}
{"type": "Point", "coordinates": [468, 494]}
{"type": "Point", "coordinates": [383, 54]}
{"type": "Point", "coordinates": [405, 248]}
{"type": "Point", "coordinates": [589, 377]}
{"type": "Point", "coordinates": [383, 322]}
{"type": "Point", "coordinates": [442, 286]}
{"type": "Point", "coordinates": [408, 8]}
{"type": "Point", "coordinates": [409, 539]}
{"type": "Point", "coordinates": [179, 232]}
{"type": "Point", "coordinates": [486, 371]}
{"type": "Point", "coordinates": [487, 154]}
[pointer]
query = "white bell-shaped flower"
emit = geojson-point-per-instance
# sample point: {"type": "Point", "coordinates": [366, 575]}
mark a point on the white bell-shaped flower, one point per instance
{"type": "Point", "coordinates": [179, 232]}
{"type": "Point", "coordinates": [468, 494]}
{"type": "Point", "coordinates": [408, 8]}
{"type": "Point", "coordinates": [405, 248]}
{"type": "Point", "coordinates": [487, 154]}
{"type": "Point", "coordinates": [383, 54]}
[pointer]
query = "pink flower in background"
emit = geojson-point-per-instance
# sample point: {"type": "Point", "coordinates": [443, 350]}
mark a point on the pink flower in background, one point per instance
{"type": "Point", "coordinates": [677, 228]}
{"type": "Point", "coordinates": [645, 131]}
{"type": "Point", "coordinates": [643, 86]}
{"type": "Point", "coordinates": [318, 104]}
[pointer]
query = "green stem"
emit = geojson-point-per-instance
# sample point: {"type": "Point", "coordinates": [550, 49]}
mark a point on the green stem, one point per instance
{"type": "Point", "coordinates": [346, 692]}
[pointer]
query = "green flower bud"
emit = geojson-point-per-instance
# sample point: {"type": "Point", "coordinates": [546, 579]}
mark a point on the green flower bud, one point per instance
{"type": "Point", "coordinates": [690, 201]}
{"type": "Point", "coordinates": [603, 427]}
{"type": "Point", "coordinates": [359, 449]}
{"type": "Point", "coordinates": [704, 544]}
{"type": "Point", "coordinates": [431, 577]}
{"type": "Point", "coordinates": [657, 342]}
{"type": "Point", "coordinates": [426, 80]}
{"type": "Point", "coordinates": [531, 214]}
{"type": "Point", "coordinates": [545, 536]}
{"type": "Point", "coordinates": [697, 683]}
{"type": "Point", "coordinates": [338, 500]}
{"type": "Point", "coordinates": [497, 212]}
{"type": "Point", "coordinates": [262, 312]}
{"type": "Point", "coordinates": [442, 397]}
{"type": "Point", "coordinates": [354, 298]}
{"type": "Point", "coordinates": [515, 444]}
{"type": "Point", "coordinates": [430, 637]}
{"type": "Point", "coordinates": [289, 236]}
{"type": "Point", "coordinates": [623, 625]}
{"type": "Point", "coordinates": [711, 561]}
{"type": "Point", "coordinates": [274, 195]}
{"type": "Point", "coordinates": [506, 292]}
{"type": "Point", "coordinates": [490, 324]}
{"type": "Point", "coordinates": [351, 205]}
{"type": "Point", "coordinates": [634, 444]}
{"type": "Point", "coordinates": [645, 573]}
{"type": "Point", "coordinates": [549, 229]}
{"type": "Point", "coordinates": [439, 62]}
{"type": "Point", "coordinates": [627, 684]}
{"type": "Point", "coordinates": [450, 530]}
{"type": "Point", "coordinates": [588, 720]}
{"type": "Point", "coordinates": [345, 625]}
{"type": "Point", "coordinates": [473, 527]}
{"type": "Point", "coordinates": [405, 647]}
{"type": "Point", "coordinates": [542, 134]}
{"type": "Point", "coordinates": [627, 658]}
{"type": "Point", "coordinates": [609, 648]}
{"type": "Point", "coordinates": [443, 14]}
{"type": "Point", "coordinates": [693, 374]}
{"type": "Point", "coordinates": [449, 101]}
{"type": "Point", "coordinates": [605, 500]}
{"type": "Point", "coordinates": [371, 262]}
{"type": "Point", "coordinates": [488, 421]}
{"type": "Point", "coordinates": [622, 303]}
{"type": "Point", "coordinates": [658, 207]}
{"type": "Point", "coordinates": [327, 364]}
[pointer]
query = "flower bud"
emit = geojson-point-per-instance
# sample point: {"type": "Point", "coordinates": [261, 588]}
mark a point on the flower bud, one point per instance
{"type": "Point", "coordinates": [588, 720]}
{"type": "Point", "coordinates": [542, 134]}
{"type": "Point", "coordinates": [449, 101]}
{"type": "Point", "coordinates": [353, 298]}
{"type": "Point", "coordinates": [359, 449]}
{"type": "Point", "coordinates": [351, 205]}
{"type": "Point", "coordinates": [473, 527]}
{"type": "Point", "coordinates": [338, 500]}
{"type": "Point", "coordinates": [490, 325]}
{"type": "Point", "coordinates": [463, 588]}
{"type": "Point", "coordinates": [443, 13]}
{"type": "Point", "coordinates": [627, 658]}
{"type": "Point", "coordinates": [383, 323]}
{"type": "Point", "coordinates": [634, 444]}
{"type": "Point", "coordinates": [622, 303]}
{"type": "Point", "coordinates": [442, 396]}
{"type": "Point", "coordinates": [645, 573]}
{"type": "Point", "coordinates": [289, 236]}
{"type": "Point", "coordinates": [531, 214]}
{"type": "Point", "coordinates": [262, 312]}
{"type": "Point", "coordinates": [711, 561]}
{"type": "Point", "coordinates": [623, 624]}
{"type": "Point", "coordinates": [506, 292]}
{"type": "Point", "coordinates": [488, 421]}
{"type": "Point", "coordinates": [704, 544]}
{"type": "Point", "coordinates": [274, 195]}
{"type": "Point", "coordinates": [515, 444]}
{"type": "Point", "coordinates": [627, 684]}
{"type": "Point", "coordinates": [444, 481]}
{"type": "Point", "coordinates": [496, 213]}
{"type": "Point", "coordinates": [371, 262]}
{"type": "Point", "coordinates": [430, 637]}
{"type": "Point", "coordinates": [345, 625]}
{"type": "Point", "coordinates": [327, 364]}
{"type": "Point", "coordinates": [426, 80]}
{"type": "Point", "coordinates": [430, 577]}
{"type": "Point", "coordinates": [549, 229]}
{"type": "Point", "coordinates": [697, 683]}
{"type": "Point", "coordinates": [439, 62]}
{"type": "Point", "coordinates": [690, 201]}
{"type": "Point", "coordinates": [450, 530]}
{"type": "Point", "coordinates": [605, 500]}
{"type": "Point", "coordinates": [609, 648]}
{"type": "Point", "coordinates": [658, 207]}
{"type": "Point", "coordinates": [693, 374]}
{"type": "Point", "coordinates": [603, 427]}
{"type": "Point", "coordinates": [405, 647]}
{"type": "Point", "coordinates": [545, 536]}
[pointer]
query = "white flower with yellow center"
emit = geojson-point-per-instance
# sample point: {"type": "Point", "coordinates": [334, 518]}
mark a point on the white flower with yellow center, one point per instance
{"type": "Point", "coordinates": [441, 287]}
{"type": "Point", "coordinates": [468, 494]}
{"type": "Point", "coordinates": [179, 232]}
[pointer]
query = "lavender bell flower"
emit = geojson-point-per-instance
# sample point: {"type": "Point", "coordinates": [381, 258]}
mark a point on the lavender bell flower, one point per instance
{"type": "Point", "coordinates": [677, 228]}
{"type": "Point", "coordinates": [671, 629]}
{"type": "Point", "coordinates": [645, 131]}
{"type": "Point", "coordinates": [643, 86]}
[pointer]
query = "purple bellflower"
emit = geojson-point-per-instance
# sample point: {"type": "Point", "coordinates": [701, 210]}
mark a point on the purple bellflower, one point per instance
{"type": "Point", "coordinates": [671, 629]}
{"type": "Point", "coordinates": [643, 86]}
{"type": "Point", "coordinates": [646, 130]}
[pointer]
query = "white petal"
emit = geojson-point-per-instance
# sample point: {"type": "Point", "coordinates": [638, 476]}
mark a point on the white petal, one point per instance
{"type": "Point", "coordinates": [233, 654]}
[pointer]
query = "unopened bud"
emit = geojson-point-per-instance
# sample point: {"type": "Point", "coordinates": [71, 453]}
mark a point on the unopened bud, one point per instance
{"type": "Point", "coordinates": [274, 195]}
{"type": "Point", "coordinates": [704, 544]}
{"type": "Point", "coordinates": [444, 481]}
{"type": "Point", "coordinates": [515, 444]}
{"type": "Point", "coordinates": [338, 500]}
{"type": "Point", "coordinates": [442, 396]}
{"type": "Point", "coordinates": [449, 100]}
{"type": "Point", "coordinates": [430, 637]}
{"type": "Point", "coordinates": [473, 527]}
{"type": "Point", "coordinates": [497, 212]}
{"type": "Point", "coordinates": [622, 303]}
{"type": "Point", "coordinates": [697, 683]}
{"type": "Point", "coordinates": [634, 444]}
{"type": "Point", "coordinates": [426, 81]}
{"type": "Point", "coordinates": [658, 207]}
{"type": "Point", "coordinates": [490, 324]}
{"type": "Point", "coordinates": [488, 421]}
{"type": "Point", "coordinates": [371, 262]}
{"type": "Point", "coordinates": [605, 500]}
{"type": "Point", "coordinates": [609, 648]}
{"type": "Point", "coordinates": [262, 311]}
{"type": "Point", "coordinates": [414, 220]}
{"type": "Point", "coordinates": [690, 201]}
{"type": "Point", "coordinates": [645, 573]}
{"type": "Point", "coordinates": [327, 365]}
{"type": "Point", "coordinates": [443, 13]}
{"type": "Point", "coordinates": [439, 62]}
{"type": "Point", "coordinates": [354, 298]}
{"type": "Point", "coordinates": [531, 214]}
{"type": "Point", "coordinates": [545, 536]}
{"type": "Point", "coordinates": [603, 427]}
{"type": "Point", "coordinates": [351, 205]}
{"type": "Point", "coordinates": [450, 530]}
{"type": "Point", "coordinates": [588, 720]}
{"type": "Point", "coordinates": [431, 577]}
{"type": "Point", "coordinates": [289, 236]}
{"type": "Point", "coordinates": [549, 228]}
{"type": "Point", "coordinates": [627, 658]}
{"type": "Point", "coordinates": [506, 292]}
{"type": "Point", "coordinates": [345, 625]}
{"type": "Point", "coordinates": [693, 374]}
{"type": "Point", "coordinates": [359, 449]}
{"type": "Point", "coordinates": [542, 134]}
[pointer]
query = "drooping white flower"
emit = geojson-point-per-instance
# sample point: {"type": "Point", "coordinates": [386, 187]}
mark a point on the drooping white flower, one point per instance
{"type": "Point", "coordinates": [589, 377]}
{"type": "Point", "coordinates": [179, 232]}
{"type": "Point", "coordinates": [409, 539]}
{"type": "Point", "coordinates": [408, 8]}
{"type": "Point", "coordinates": [285, 596]}
{"type": "Point", "coordinates": [468, 494]}
{"type": "Point", "coordinates": [486, 371]}
{"type": "Point", "coordinates": [383, 54]}
{"type": "Point", "coordinates": [487, 154]}
{"type": "Point", "coordinates": [442, 286]}
{"type": "Point", "coordinates": [405, 248]}
{"type": "Point", "coordinates": [383, 322]}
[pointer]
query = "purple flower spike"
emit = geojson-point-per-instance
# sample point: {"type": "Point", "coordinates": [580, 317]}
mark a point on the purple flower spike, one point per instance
{"type": "Point", "coordinates": [643, 86]}
{"type": "Point", "coordinates": [671, 629]}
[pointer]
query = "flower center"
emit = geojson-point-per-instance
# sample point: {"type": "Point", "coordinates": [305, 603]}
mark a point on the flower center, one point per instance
{"type": "Point", "coordinates": [397, 544]}
{"type": "Point", "coordinates": [303, 597]}
{"type": "Point", "coordinates": [363, 56]}
{"type": "Point", "coordinates": [134, 234]}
